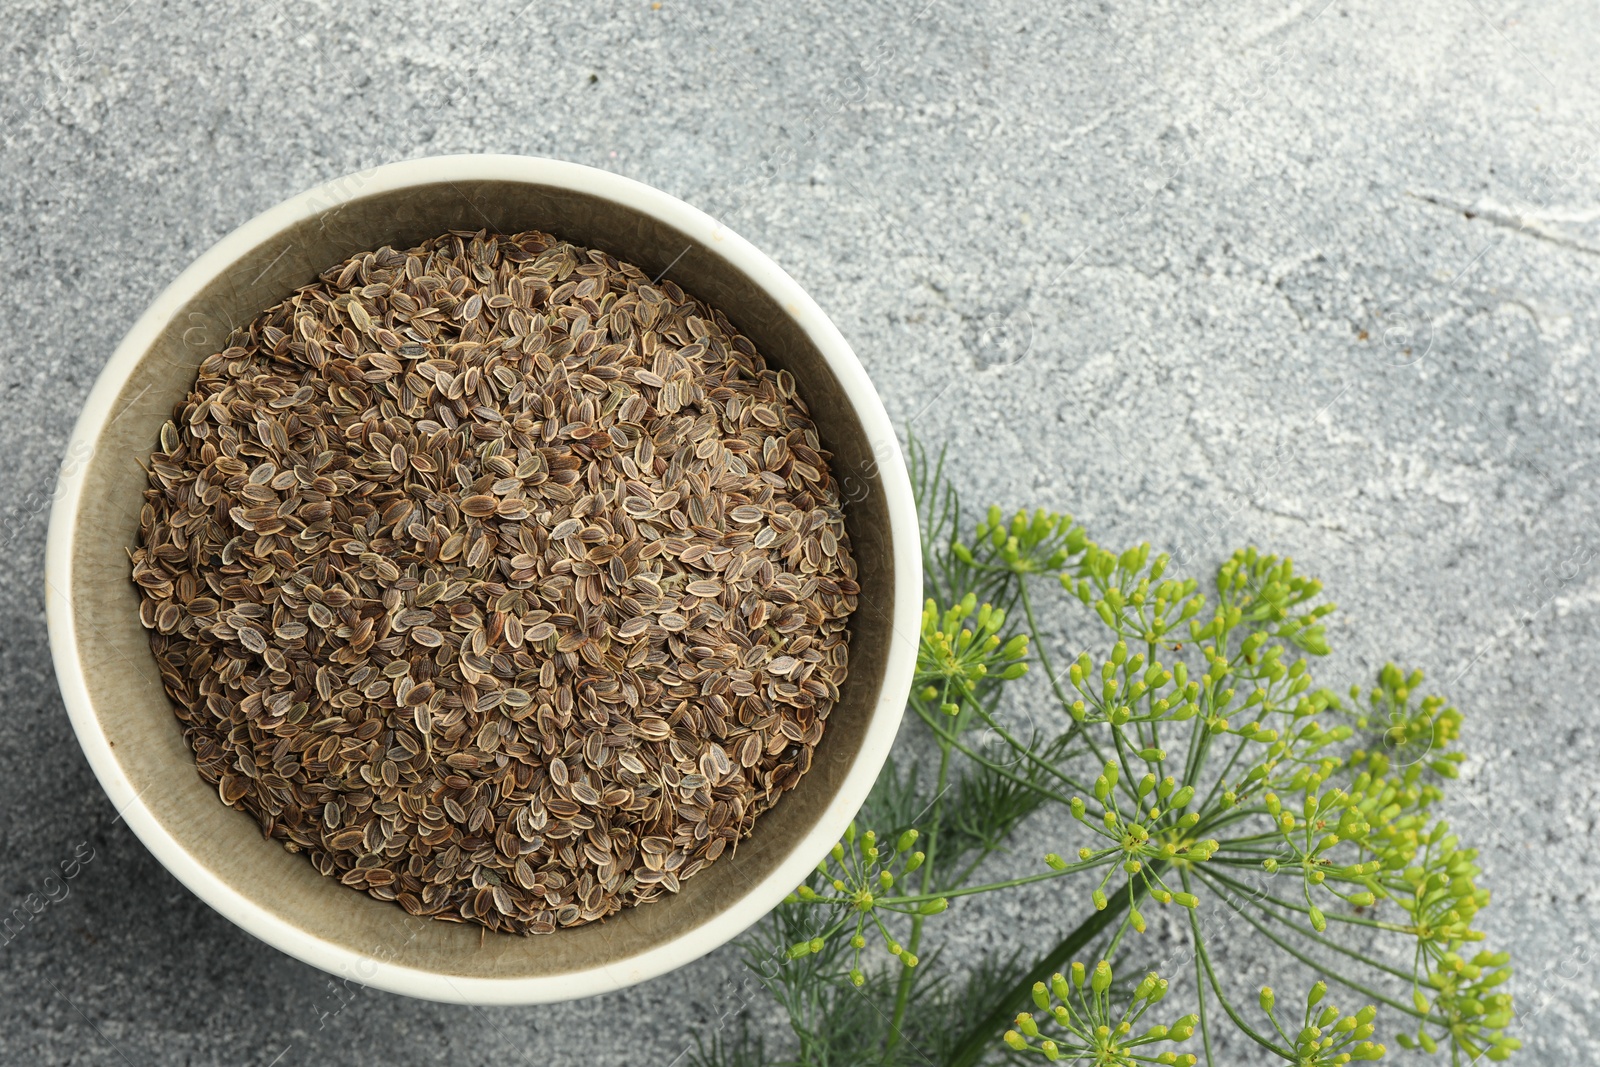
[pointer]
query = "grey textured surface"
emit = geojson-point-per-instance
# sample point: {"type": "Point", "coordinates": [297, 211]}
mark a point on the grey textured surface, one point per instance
{"type": "Point", "coordinates": [1322, 279]}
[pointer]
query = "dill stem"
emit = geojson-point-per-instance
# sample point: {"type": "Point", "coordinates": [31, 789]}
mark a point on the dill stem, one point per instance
{"type": "Point", "coordinates": [1205, 1022]}
{"type": "Point", "coordinates": [1205, 958]}
{"type": "Point", "coordinates": [1017, 745]}
{"type": "Point", "coordinates": [980, 1038]}
{"type": "Point", "coordinates": [902, 994]}
{"type": "Point", "coordinates": [1039, 647]}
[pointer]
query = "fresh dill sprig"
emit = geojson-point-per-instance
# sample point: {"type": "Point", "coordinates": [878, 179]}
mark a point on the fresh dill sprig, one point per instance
{"type": "Point", "coordinates": [1195, 765]}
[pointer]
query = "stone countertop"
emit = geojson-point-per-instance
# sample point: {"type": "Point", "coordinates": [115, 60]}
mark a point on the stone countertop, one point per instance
{"type": "Point", "coordinates": [1311, 276]}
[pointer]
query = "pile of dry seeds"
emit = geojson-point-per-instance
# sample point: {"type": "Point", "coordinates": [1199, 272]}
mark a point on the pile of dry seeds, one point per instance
{"type": "Point", "coordinates": [499, 581]}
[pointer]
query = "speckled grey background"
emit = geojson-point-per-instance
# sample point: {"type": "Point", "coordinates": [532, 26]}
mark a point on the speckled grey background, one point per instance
{"type": "Point", "coordinates": [1320, 278]}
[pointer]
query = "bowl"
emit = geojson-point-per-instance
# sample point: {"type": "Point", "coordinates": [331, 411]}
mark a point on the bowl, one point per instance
{"type": "Point", "coordinates": [125, 722]}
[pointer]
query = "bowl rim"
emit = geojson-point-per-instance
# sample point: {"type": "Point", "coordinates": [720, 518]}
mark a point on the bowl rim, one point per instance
{"type": "Point", "coordinates": [284, 935]}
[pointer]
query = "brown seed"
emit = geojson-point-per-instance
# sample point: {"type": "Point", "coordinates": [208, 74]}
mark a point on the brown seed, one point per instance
{"type": "Point", "coordinates": [527, 587]}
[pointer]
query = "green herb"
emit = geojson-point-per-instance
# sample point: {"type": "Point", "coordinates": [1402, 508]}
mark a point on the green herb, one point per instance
{"type": "Point", "coordinates": [1193, 765]}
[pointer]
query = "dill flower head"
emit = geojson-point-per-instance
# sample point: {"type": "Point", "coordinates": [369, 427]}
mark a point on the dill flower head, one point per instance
{"type": "Point", "coordinates": [1078, 1018]}
{"type": "Point", "coordinates": [961, 647]}
{"type": "Point", "coordinates": [1191, 759]}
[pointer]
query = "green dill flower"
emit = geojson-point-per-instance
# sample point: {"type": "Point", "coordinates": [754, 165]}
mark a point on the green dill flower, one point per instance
{"type": "Point", "coordinates": [1036, 544]}
{"type": "Point", "coordinates": [961, 647]}
{"type": "Point", "coordinates": [1133, 601]}
{"type": "Point", "coordinates": [1326, 1037]}
{"type": "Point", "coordinates": [1471, 1016]}
{"type": "Point", "coordinates": [1264, 589]}
{"type": "Point", "coordinates": [1197, 763]}
{"type": "Point", "coordinates": [858, 879]}
{"type": "Point", "coordinates": [1408, 734]}
{"type": "Point", "coordinates": [1078, 1020]}
{"type": "Point", "coordinates": [1150, 835]}
{"type": "Point", "coordinates": [1124, 689]}
{"type": "Point", "coordinates": [1352, 827]}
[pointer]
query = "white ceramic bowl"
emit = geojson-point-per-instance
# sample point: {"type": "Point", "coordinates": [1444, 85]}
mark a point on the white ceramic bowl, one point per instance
{"type": "Point", "coordinates": [125, 722]}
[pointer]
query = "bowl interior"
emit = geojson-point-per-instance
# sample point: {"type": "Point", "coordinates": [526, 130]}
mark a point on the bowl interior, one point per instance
{"type": "Point", "coordinates": [136, 717]}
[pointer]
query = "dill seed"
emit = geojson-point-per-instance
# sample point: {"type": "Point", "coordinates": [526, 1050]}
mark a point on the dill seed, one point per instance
{"type": "Point", "coordinates": [499, 581]}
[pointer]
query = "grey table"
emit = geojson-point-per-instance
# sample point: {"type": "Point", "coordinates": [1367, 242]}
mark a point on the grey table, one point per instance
{"type": "Point", "coordinates": [1317, 276]}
